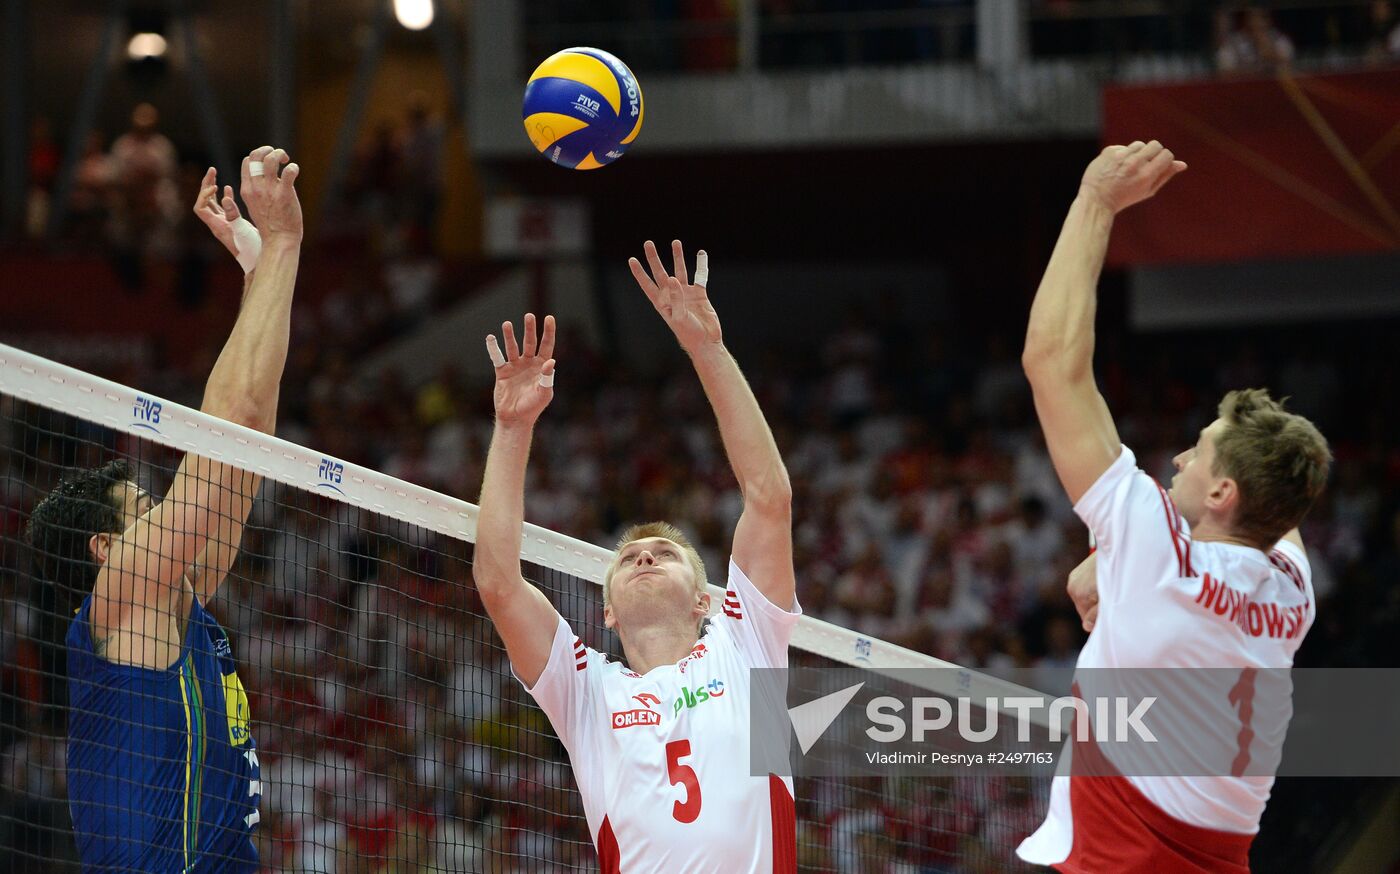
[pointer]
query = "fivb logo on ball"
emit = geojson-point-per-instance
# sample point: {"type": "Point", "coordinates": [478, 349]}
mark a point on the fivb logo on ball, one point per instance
{"type": "Point", "coordinates": [582, 108]}
{"type": "Point", "coordinates": [587, 106]}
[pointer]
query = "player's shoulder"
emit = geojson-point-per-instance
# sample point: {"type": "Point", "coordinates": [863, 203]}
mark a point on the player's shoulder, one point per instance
{"type": "Point", "coordinates": [716, 644]}
{"type": "Point", "coordinates": [1290, 559]}
{"type": "Point", "coordinates": [717, 636]}
{"type": "Point", "coordinates": [79, 634]}
{"type": "Point", "coordinates": [1123, 485]}
{"type": "Point", "coordinates": [594, 664]}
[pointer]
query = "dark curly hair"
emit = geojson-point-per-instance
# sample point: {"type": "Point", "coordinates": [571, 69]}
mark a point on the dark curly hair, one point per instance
{"type": "Point", "coordinates": [84, 503]}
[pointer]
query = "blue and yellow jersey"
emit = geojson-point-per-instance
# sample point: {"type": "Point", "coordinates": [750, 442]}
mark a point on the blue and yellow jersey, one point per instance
{"type": "Point", "coordinates": [162, 770]}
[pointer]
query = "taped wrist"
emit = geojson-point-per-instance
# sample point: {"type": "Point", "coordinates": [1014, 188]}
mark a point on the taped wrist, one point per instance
{"type": "Point", "coordinates": [247, 244]}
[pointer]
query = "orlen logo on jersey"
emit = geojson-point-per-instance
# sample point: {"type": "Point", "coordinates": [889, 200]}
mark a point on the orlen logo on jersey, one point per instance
{"type": "Point", "coordinates": [699, 695]}
{"type": "Point", "coordinates": [644, 716]}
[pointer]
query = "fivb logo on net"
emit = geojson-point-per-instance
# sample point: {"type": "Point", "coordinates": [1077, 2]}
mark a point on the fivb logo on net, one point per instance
{"type": "Point", "coordinates": [978, 720]}
{"type": "Point", "coordinates": [145, 413]}
{"type": "Point", "coordinates": [330, 475]}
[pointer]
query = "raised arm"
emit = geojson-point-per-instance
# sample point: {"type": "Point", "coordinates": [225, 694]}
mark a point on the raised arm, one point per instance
{"type": "Point", "coordinates": [243, 241]}
{"type": "Point", "coordinates": [148, 564]}
{"type": "Point", "coordinates": [763, 537]}
{"type": "Point", "coordinates": [522, 614]}
{"type": "Point", "coordinates": [1059, 353]}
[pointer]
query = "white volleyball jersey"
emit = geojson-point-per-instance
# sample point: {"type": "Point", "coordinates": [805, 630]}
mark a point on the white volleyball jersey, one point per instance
{"type": "Point", "coordinates": [662, 760]}
{"type": "Point", "coordinates": [1166, 601]}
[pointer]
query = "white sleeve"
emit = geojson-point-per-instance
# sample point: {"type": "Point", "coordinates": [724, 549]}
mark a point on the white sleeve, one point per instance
{"type": "Point", "coordinates": [760, 628]}
{"type": "Point", "coordinates": [1291, 553]}
{"type": "Point", "coordinates": [562, 689]}
{"type": "Point", "coordinates": [1287, 557]}
{"type": "Point", "coordinates": [1139, 535]}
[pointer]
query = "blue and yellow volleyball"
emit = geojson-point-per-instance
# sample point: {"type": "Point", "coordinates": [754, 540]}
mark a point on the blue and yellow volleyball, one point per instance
{"type": "Point", "coordinates": [583, 108]}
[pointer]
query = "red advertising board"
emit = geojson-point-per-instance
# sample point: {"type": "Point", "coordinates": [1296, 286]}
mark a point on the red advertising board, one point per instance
{"type": "Point", "coordinates": [1282, 166]}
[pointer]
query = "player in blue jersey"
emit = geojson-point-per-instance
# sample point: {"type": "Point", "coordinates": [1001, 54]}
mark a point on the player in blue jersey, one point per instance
{"type": "Point", "coordinates": [162, 770]}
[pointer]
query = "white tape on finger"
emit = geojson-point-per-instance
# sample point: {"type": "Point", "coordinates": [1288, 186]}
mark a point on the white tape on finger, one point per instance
{"type": "Point", "coordinates": [494, 350]}
{"type": "Point", "coordinates": [546, 380]}
{"type": "Point", "coordinates": [255, 168]}
{"type": "Point", "coordinates": [702, 268]}
{"type": "Point", "coordinates": [247, 244]}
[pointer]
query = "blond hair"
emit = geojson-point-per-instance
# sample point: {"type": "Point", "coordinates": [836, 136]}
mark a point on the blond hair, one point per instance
{"type": "Point", "coordinates": [1279, 461]}
{"type": "Point", "coordinates": [646, 531]}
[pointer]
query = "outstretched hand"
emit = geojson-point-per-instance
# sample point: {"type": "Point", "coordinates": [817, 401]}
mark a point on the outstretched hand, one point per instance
{"type": "Point", "coordinates": [1124, 175]}
{"type": "Point", "coordinates": [272, 196]}
{"type": "Point", "coordinates": [524, 377]}
{"type": "Point", "coordinates": [685, 306]}
{"type": "Point", "coordinates": [220, 216]}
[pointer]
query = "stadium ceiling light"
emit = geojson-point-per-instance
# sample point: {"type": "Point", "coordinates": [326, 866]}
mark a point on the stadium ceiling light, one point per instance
{"type": "Point", "coordinates": [414, 14]}
{"type": "Point", "coordinates": [145, 45]}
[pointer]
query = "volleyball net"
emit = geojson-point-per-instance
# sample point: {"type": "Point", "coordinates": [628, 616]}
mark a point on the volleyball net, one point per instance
{"type": "Point", "coordinates": [390, 734]}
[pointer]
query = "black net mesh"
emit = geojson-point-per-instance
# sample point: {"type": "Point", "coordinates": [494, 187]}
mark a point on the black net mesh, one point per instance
{"type": "Point", "coordinates": [390, 735]}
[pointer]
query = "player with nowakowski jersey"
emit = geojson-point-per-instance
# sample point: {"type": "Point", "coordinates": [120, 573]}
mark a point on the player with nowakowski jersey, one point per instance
{"type": "Point", "coordinates": [659, 746]}
{"type": "Point", "coordinates": [1210, 573]}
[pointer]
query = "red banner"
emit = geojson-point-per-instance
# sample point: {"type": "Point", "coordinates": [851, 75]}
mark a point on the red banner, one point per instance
{"type": "Point", "coordinates": [1279, 167]}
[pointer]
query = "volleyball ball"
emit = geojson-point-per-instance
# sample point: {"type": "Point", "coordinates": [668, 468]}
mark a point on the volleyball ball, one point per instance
{"type": "Point", "coordinates": [583, 108]}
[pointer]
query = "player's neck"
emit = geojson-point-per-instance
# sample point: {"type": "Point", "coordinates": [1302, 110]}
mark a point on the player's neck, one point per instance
{"type": "Point", "coordinates": [1209, 530]}
{"type": "Point", "coordinates": [656, 645]}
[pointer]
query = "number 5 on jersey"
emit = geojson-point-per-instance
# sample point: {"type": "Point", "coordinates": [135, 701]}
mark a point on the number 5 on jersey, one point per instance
{"type": "Point", "coordinates": [685, 776]}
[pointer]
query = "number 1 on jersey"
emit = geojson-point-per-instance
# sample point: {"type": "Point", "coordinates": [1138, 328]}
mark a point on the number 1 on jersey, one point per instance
{"type": "Point", "coordinates": [685, 776]}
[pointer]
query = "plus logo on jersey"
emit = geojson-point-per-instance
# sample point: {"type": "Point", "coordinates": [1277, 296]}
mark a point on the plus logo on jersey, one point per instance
{"type": "Point", "coordinates": [699, 695]}
{"type": "Point", "coordinates": [644, 715]}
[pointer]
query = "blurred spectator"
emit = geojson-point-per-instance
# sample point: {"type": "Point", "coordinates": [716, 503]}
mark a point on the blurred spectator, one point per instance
{"type": "Point", "coordinates": [91, 201]}
{"type": "Point", "coordinates": [412, 280]}
{"type": "Point", "coordinates": [420, 172]}
{"type": "Point", "coordinates": [43, 171]}
{"type": "Point", "coordinates": [1248, 42]}
{"type": "Point", "coordinates": [147, 200]}
{"type": "Point", "coordinates": [865, 596]}
{"type": "Point", "coordinates": [1054, 670]}
{"type": "Point", "coordinates": [374, 170]}
{"type": "Point", "coordinates": [948, 609]}
{"type": "Point", "coordinates": [1035, 542]}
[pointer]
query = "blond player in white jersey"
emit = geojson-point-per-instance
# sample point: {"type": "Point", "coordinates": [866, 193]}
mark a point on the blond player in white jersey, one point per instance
{"type": "Point", "coordinates": [659, 746]}
{"type": "Point", "coordinates": [1208, 574]}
